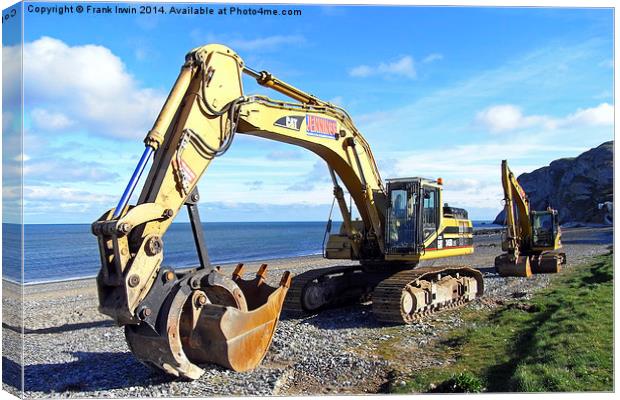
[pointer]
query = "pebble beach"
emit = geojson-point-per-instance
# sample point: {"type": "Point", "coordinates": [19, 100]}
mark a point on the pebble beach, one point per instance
{"type": "Point", "coordinates": [71, 350]}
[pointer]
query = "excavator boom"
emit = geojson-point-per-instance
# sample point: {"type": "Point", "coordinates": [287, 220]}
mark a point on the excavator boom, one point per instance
{"type": "Point", "coordinates": [177, 321]}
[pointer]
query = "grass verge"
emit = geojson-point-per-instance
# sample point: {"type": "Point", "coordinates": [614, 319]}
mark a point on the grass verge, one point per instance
{"type": "Point", "coordinates": [560, 340]}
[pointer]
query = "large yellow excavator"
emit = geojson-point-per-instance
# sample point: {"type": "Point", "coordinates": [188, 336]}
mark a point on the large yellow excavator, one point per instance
{"type": "Point", "coordinates": [179, 320]}
{"type": "Point", "coordinates": [532, 238]}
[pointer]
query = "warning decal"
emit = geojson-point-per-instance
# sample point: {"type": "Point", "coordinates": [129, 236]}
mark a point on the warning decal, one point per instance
{"type": "Point", "coordinates": [187, 175]}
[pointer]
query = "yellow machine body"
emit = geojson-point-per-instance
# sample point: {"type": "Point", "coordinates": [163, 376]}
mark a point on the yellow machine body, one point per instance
{"type": "Point", "coordinates": [532, 238]}
{"type": "Point", "coordinates": [177, 321]}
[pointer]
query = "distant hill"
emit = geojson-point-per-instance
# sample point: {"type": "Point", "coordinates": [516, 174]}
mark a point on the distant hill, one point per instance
{"type": "Point", "coordinates": [573, 186]}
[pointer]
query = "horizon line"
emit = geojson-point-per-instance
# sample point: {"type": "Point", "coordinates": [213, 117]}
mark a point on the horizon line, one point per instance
{"type": "Point", "coordinates": [187, 222]}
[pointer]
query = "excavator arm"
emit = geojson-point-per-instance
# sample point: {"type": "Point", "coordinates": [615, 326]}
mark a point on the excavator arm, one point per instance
{"type": "Point", "coordinates": [175, 321]}
{"type": "Point", "coordinates": [517, 211]}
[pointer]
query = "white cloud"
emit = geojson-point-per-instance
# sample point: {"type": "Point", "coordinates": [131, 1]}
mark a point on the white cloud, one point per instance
{"type": "Point", "coordinates": [500, 118]}
{"type": "Point", "coordinates": [405, 66]}
{"type": "Point", "coordinates": [65, 194]}
{"type": "Point", "coordinates": [21, 157]}
{"type": "Point", "coordinates": [11, 74]}
{"type": "Point", "coordinates": [265, 43]}
{"type": "Point", "coordinates": [432, 57]}
{"type": "Point", "coordinates": [141, 53]}
{"type": "Point", "coordinates": [90, 85]}
{"type": "Point", "coordinates": [338, 100]}
{"type": "Point", "coordinates": [463, 184]}
{"type": "Point", "coordinates": [284, 155]}
{"type": "Point", "coordinates": [47, 120]}
{"type": "Point", "coordinates": [58, 204]}
{"type": "Point", "coordinates": [471, 173]}
{"type": "Point", "coordinates": [507, 117]}
{"type": "Point", "coordinates": [361, 71]}
{"type": "Point", "coordinates": [316, 177]}
{"type": "Point", "coordinates": [60, 169]}
{"type": "Point", "coordinates": [441, 119]}
{"type": "Point", "coordinates": [525, 76]}
{"type": "Point", "coordinates": [271, 193]}
{"type": "Point", "coordinates": [602, 115]}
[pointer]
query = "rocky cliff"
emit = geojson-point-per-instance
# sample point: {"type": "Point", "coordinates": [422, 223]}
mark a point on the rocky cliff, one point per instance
{"type": "Point", "coordinates": [573, 186]}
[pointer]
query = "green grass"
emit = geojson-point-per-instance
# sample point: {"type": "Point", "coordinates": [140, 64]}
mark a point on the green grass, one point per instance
{"type": "Point", "coordinates": [561, 340]}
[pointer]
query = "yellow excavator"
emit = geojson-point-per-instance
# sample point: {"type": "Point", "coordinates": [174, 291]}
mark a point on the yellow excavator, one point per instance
{"type": "Point", "coordinates": [532, 238]}
{"type": "Point", "coordinates": [179, 320]}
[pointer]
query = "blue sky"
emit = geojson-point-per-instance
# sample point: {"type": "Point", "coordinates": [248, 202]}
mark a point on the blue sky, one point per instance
{"type": "Point", "coordinates": [436, 91]}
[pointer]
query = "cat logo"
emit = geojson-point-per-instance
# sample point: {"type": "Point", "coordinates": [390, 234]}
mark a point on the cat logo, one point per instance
{"type": "Point", "coordinates": [289, 122]}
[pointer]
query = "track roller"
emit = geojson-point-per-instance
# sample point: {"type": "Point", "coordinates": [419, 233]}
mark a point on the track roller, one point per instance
{"type": "Point", "coordinates": [323, 288]}
{"type": "Point", "coordinates": [409, 295]}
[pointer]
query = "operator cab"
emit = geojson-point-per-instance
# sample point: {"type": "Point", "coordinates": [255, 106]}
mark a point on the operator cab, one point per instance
{"type": "Point", "coordinates": [412, 214]}
{"type": "Point", "coordinates": [545, 228]}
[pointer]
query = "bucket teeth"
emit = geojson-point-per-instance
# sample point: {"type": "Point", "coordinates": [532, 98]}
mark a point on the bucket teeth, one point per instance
{"type": "Point", "coordinates": [212, 318]}
{"type": "Point", "coordinates": [286, 279]}
{"type": "Point", "coordinates": [262, 272]}
{"type": "Point", "coordinates": [236, 275]}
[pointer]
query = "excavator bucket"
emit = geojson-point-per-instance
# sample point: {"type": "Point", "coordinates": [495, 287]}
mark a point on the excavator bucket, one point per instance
{"type": "Point", "coordinates": [238, 338]}
{"type": "Point", "coordinates": [548, 263]}
{"type": "Point", "coordinates": [509, 265]}
{"type": "Point", "coordinates": [212, 318]}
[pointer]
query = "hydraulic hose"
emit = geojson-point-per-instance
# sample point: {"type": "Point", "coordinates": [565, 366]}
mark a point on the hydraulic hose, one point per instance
{"type": "Point", "coordinates": [133, 182]}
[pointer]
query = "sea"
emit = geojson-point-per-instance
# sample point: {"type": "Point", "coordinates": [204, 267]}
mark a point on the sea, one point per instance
{"type": "Point", "coordinates": [66, 252]}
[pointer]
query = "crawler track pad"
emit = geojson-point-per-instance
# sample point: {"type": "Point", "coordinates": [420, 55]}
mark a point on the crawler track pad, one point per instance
{"type": "Point", "coordinates": [407, 296]}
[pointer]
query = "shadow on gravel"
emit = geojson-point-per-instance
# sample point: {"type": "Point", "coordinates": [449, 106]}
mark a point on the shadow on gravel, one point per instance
{"type": "Point", "coordinates": [487, 270]}
{"type": "Point", "coordinates": [90, 372]}
{"type": "Point", "coordinates": [61, 328]}
{"type": "Point", "coordinates": [601, 241]}
{"type": "Point", "coordinates": [349, 317]}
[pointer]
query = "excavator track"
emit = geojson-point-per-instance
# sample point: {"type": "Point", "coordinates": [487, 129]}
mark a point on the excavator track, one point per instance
{"type": "Point", "coordinates": [322, 288]}
{"type": "Point", "coordinates": [398, 297]}
{"type": "Point", "coordinates": [410, 295]}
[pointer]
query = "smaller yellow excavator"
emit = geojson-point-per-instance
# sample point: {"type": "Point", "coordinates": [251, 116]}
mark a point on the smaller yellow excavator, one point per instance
{"type": "Point", "coordinates": [532, 238]}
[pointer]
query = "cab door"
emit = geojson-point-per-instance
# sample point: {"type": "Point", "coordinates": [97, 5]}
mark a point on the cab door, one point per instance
{"type": "Point", "coordinates": [430, 211]}
{"type": "Point", "coordinates": [401, 234]}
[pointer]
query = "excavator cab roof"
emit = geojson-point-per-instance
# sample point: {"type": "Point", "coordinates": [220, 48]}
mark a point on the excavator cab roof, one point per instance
{"type": "Point", "coordinates": [413, 179]}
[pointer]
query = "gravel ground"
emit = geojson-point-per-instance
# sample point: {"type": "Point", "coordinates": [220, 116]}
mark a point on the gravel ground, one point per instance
{"type": "Point", "coordinates": [70, 350]}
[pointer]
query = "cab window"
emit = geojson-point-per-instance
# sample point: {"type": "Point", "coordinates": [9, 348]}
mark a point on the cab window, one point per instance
{"type": "Point", "coordinates": [430, 214]}
{"type": "Point", "coordinates": [401, 217]}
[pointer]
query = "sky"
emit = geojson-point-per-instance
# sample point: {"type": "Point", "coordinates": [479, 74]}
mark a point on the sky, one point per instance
{"type": "Point", "coordinates": [437, 92]}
